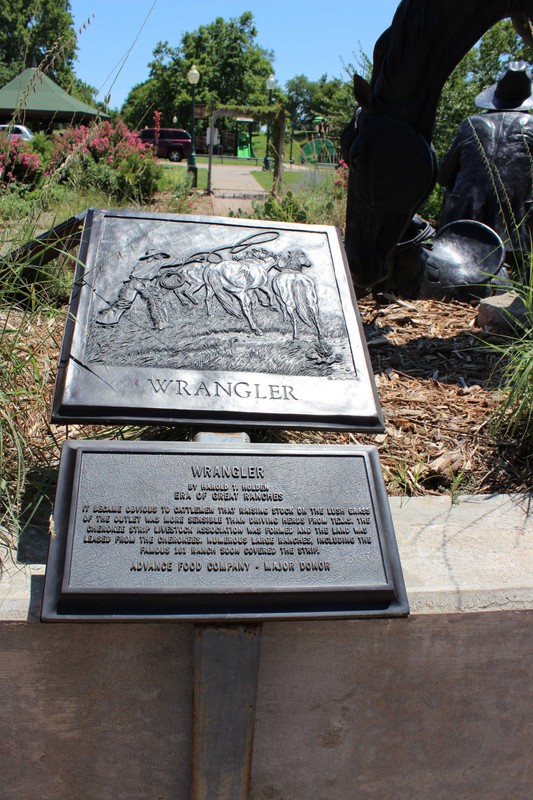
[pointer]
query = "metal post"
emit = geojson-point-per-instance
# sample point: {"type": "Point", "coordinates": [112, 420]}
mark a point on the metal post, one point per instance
{"type": "Point", "coordinates": [226, 665]}
{"type": "Point", "coordinates": [192, 155]}
{"type": "Point", "coordinates": [291, 159]}
{"type": "Point", "coordinates": [212, 122]}
{"type": "Point", "coordinates": [191, 162]}
{"type": "Point", "coordinates": [266, 161]}
{"type": "Point", "coordinates": [193, 77]}
{"type": "Point", "coordinates": [225, 671]}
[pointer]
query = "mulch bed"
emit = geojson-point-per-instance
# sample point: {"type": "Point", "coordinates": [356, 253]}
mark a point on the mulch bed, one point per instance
{"type": "Point", "coordinates": [438, 384]}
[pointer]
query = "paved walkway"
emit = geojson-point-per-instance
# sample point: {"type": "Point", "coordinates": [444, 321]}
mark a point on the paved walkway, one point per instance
{"type": "Point", "coordinates": [234, 188]}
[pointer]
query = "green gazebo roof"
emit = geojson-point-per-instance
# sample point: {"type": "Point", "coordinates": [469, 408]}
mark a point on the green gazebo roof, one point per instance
{"type": "Point", "coordinates": [35, 96]}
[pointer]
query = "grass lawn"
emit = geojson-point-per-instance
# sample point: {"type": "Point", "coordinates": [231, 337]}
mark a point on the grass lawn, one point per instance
{"type": "Point", "coordinates": [173, 174]}
{"type": "Point", "coordinates": [297, 179]}
{"type": "Point", "coordinates": [290, 179]}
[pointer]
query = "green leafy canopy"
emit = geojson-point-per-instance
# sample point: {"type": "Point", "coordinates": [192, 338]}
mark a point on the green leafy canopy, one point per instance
{"type": "Point", "coordinates": [40, 33]}
{"type": "Point", "coordinates": [233, 71]}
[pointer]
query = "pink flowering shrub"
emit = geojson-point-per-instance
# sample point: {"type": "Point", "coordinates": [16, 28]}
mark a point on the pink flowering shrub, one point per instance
{"type": "Point", "coordinates": [157, 125]}
{"type": "Point", "coordinates": [18, 165]}
{"type": "Point", "coordinates": [109, 157]}
{"type": "Point", "coordinates": [341, 177]}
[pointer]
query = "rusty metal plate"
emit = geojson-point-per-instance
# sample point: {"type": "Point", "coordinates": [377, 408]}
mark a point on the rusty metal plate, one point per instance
{"type": "Point", "coordinates": [220, 321]}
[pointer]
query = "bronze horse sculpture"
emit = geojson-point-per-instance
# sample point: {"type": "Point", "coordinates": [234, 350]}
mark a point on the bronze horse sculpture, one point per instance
{"type": "Point", "coordinates": [387, 145]}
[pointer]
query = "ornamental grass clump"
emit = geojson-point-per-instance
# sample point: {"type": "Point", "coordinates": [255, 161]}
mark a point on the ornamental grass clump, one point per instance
{"type": "Point", "coordinates": [30, 331]}
{"type": "Point", "coordinates": [514, 418]}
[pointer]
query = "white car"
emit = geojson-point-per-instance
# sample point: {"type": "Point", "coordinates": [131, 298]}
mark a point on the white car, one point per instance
{"type": "Point", "coordinates": [16, 132]}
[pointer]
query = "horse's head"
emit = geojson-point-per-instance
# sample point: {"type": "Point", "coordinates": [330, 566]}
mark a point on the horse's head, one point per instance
{"type": "Point", "coordinates": [392, 170]}
{"type": "Point", "coordinates": [294, 260]}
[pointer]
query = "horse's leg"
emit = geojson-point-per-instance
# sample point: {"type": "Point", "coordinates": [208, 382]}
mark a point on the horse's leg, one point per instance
{"type": "Point", "coordinates": [188, 292]}
{"type": "Point", "coordinates": [193, 287]}
{"type": "Point", "coordinates": [180, 294]}
{"type": "Point", "coordinates": [313, 313]}
{"type": "Point", "coordinates": [189, 296]}
{"type": "Point", "coordinates": [281, 304]}
{"type": "Point", "coordinates": [292, 317]}
{"type": "Point", "coordinates": [245, 304]}
{"type": "Point", "coordinates": [195, 291]}
{"type": "Point", "coordinates": [209, 293]}
{"type": "Point", "coordinates": [268, 294]}
{"type": "Point", "coordinates": [311, 319]}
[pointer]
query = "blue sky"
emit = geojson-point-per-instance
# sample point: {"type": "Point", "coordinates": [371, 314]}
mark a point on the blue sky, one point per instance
{"type": "Point", "coordinates": [308, 38]}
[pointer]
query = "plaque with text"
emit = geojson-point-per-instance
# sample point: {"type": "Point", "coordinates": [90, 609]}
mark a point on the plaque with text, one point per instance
{"type": "Point", "coordinates": [220, 321]}
{"type": "Point", "coordinates": [191, 531]}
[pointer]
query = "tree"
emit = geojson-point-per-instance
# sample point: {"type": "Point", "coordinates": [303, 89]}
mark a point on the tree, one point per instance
{"type": "Point", "coordinates": [334, 101]}
{"type": "Point", "coordinates": [300, 99]}
{"type": "Point", "coordinates": [138, 109]}
{"type": "Point", "coordinates": [40, 32]}
{"type": "Point", "coordinates": [328, 98]}
{"type": "Point", "coordinates": [233, 71]}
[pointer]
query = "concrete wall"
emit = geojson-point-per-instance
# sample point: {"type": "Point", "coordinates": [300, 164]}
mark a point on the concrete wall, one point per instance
{"type": "Point", "coordinates": [436, 706]}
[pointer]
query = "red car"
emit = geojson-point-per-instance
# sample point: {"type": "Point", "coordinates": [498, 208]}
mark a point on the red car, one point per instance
{"type": "Point", "coordinates": [172, 143]}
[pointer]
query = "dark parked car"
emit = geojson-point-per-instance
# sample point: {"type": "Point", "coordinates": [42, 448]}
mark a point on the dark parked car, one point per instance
{"type": "Point", "coordinates": [172, 143]}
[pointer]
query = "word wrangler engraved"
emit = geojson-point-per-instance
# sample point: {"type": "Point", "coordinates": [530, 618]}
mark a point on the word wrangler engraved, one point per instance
{"type": "Point", "coordinates": [238, 532]}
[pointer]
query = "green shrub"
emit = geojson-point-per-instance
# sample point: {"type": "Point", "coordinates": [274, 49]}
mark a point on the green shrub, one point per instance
{"type": "Point", "coordinates": [320, 198]}
{"type": "Point", "coordinates": [433, 205]}
{"type": "Point", "coordinates": [288, 208]}
{"type": "Point", "coordinates": [43, 145]}
{"type": "Point", "coordinates": [181, 192]}
{"type": "Point", "coordinates": [138, 177]}
{"type": "Point", "coordinates": [15, 203]}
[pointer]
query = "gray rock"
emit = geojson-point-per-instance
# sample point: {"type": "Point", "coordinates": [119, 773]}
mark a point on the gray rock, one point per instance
{"type": "Point", "coordinates": [502, 313]}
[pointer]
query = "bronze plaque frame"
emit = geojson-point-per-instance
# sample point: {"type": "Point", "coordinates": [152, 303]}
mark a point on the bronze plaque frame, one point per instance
{"type": "Point", "coordinates": [223, 322]}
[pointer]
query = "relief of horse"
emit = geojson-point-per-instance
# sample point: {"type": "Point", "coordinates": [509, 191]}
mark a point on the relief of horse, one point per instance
{"type": "Point", "coordinates": [237, 271]}
{"type": "Point", "coordinates": [296, 292]}
{"type": "Point", "coordinates": [387, 145]}
{"type": "Point", "coordinates": [187, 282]}
{"type": "Point", "coordinates": [243, 280]}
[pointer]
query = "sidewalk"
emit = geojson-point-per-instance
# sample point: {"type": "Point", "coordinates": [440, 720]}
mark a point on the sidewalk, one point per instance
{"type": "Point", "coordinates": [234, 188]}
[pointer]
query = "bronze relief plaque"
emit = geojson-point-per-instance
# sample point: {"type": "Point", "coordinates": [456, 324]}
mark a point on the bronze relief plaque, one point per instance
{"type": "Point", "coordinates": [211, 320]}
{"type": "Point", "coordinates": [189, 531]}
